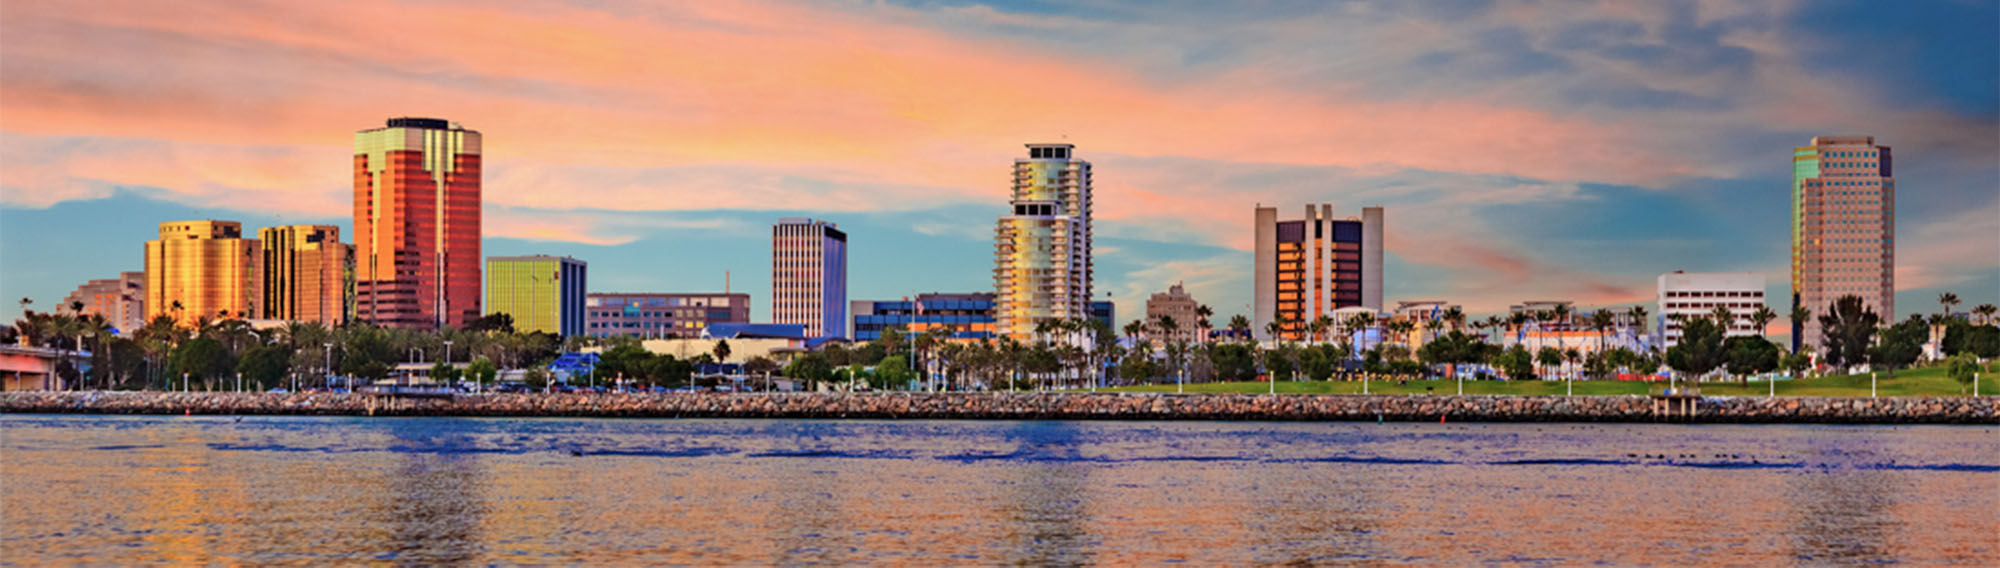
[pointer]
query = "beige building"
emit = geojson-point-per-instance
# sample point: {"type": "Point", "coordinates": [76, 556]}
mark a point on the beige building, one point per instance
{"type": "Point", "coordinates": [1042, 249]}
{"type": "Point", "coordinates": [307, 274]}
{"type": "Point", "coordinates": [1178, 304]}
{"type": "Point", "coordinates": [120, 301]}
{"type": "Point", "coordinates": [202, 269]}
{"type": "Point", "coordinates": [1843, 229]}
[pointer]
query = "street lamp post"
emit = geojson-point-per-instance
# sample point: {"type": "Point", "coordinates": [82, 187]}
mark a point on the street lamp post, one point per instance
{"type": "Point", "coordinates": [329, 366]}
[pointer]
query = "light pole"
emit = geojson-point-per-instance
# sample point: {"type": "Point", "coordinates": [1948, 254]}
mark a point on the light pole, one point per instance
{"type": "Point", "coordinates": [329, 366]}
{"type": "Point", "coordinates": [1871, 384]}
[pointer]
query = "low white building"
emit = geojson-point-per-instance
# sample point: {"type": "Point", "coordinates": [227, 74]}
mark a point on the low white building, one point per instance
{"type": "Point", "coordinates": [1697, 294]}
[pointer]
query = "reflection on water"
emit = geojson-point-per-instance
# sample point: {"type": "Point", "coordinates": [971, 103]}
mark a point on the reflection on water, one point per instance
{"type": "Point", "coordinates": [213, 490]}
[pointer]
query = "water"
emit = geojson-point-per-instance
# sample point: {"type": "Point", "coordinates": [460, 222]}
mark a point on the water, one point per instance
{"type": "Point", "coordinates": [212, 490]}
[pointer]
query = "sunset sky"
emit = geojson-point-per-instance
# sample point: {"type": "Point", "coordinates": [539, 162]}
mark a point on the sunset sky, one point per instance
{"type": "Point", "coordinates": [1523, 150]}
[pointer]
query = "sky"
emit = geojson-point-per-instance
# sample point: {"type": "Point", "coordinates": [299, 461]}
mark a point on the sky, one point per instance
{"type": "Point", "coordinates": [1523, 150]}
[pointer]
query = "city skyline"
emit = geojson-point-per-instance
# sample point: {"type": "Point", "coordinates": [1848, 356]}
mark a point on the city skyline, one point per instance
{"type": "Point", "coordinates": [1578, 182]}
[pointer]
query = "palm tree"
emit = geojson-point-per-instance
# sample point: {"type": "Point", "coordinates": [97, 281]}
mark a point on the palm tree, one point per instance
{"type": "Point", "coordinates": [1762, 317]}
{"type": "Point", "coordinates": [1561, 314]}
{"type": "Point", "coordinates": [1319, 326]}
{"type": "Point", "coordinates": [1167, 327]}
{"type": "Point", "coordinates": [1274, 329]}
{"type": "Point", "coordinates": [1723, 319]}
{"type": "Point", "coordinates": [1985, 312]}
{"type": "Point", "coordinates": [1202, 315]}
{"type": "Point", "coordinates": [1600, 321]}
{"type": "Point", "coordinates": [1240, 326]}
{"type": "Point", "coordinates": [1456, 317]}
{"type": "Point", "coordinates": [1947, 301]}
{"type": "Point", "coordinates": [1364, 321]}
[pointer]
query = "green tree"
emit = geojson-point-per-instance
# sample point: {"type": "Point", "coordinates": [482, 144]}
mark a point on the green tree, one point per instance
{"type": "Point", "coordinates": [443, 373]}
{"type": "Point", "coordinates": [1847, 329]}
{"type": "Point", "coordinates": [810, 367]}
{"type": "Point", "coordinates": [1516, 363]}
{"type": "Point", "coordinates": [482, 370]}
{"type": "Point", "coordinates": [1750, 355]}
{"type": "Point", "coordinates": [200, 358]}
{"type": "Point", "coordinates": [265, 365]}
{"type": "Point", "coordinates": [893, 373]}
{"type": "Point", "coordinates": [1549, 356]}
{"type": "Point", "coordinates": [1901, 345]}
{"type": "Point", "coordinates": [1700, 349]}
{"type": "Point", "coordinates": [721, 350]}
{"type": "Point", "coordinates": [1961, 367]}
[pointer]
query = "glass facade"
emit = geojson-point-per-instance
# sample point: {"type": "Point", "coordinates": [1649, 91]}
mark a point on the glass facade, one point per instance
{"type": "Point", "coordinates": [541, 293]}
{"type": "Point", "coordinates": [203, 269]}
{"type": "Point", "coordinates": [417, 224]}
{"type": "Point", "coordinates": [305, 273]}
{"type": "Point", "coordinates": [969, 316]}
{"type": "Point", "coordinates": [1042, 250]}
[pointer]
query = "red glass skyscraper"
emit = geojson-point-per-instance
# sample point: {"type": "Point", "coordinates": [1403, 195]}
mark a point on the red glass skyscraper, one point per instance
{"type": "Point", "coordinates": [416, 224]}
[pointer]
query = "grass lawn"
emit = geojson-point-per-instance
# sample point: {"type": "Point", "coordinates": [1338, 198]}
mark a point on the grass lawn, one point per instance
{"type": "Point", "coordinates": [1929, 381]}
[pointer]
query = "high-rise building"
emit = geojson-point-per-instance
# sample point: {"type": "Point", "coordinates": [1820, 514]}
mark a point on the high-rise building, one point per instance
{"type": "Point", "coordinates": [661, 316]}
{"type": "Point", "coordinates": [1042, 263]}
{"type": "Point", "coordinates": [809, 276]}
{"type": "Point", "coordinates": [307, 272]}
{"type": "Point", "coordinates": [1175, 303]}
{"type": "Point", "coordinates": [1313, 266]}
{"type": "Point", "coordinates": [120, 301]}
{"type": "Point", "coordinates": [416, 224]}
{"type": "Point", "coordinates": [541, 292]}
{"type": "Point", "coordinates": [203, 269]}
{"type": "Point", "coordinates": [1698, 294]}
{"type": "Point", "coordinates": [1843, 228]}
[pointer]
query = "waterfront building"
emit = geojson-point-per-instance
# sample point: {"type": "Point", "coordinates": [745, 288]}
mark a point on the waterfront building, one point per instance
{"type": "Point", "coordinates": [120, 301]}
{"type": "Point", "coordinates": [416, 224]}
{"type": "Point", "coordinates": [809, 275]}
{"type": "Point", "coordinates": [1843, 228]}
{"type": "Point", "coordinates": [661, 315]}
{"type": "Point", "coordinates": [1314, 266]}
{"type": "Point", "coordinates": [1042, 249]}
{"type": "Point", "coordinates": [203, 269]}
{"type": "Point", "coordinates": [968, 315]}
{"type": "Point", "coordinates": [1698, 294]}
{"type": "Point", "coordinates": [308, 274]}
{"type": "Point", "coordinates": [1175, 303]}
{"type": "Point", "coordinates": [541, 292]}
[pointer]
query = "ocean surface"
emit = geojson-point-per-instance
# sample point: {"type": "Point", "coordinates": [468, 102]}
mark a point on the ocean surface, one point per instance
{"type": "Point", "coordinates": [423, 491]}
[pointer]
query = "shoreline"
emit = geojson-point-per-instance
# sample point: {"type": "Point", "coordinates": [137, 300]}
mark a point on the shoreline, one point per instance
{"type": "Point", "coordinates": [1038, 406]}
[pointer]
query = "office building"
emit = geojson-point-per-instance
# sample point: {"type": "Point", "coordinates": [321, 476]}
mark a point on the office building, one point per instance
{"type": "Point", "coordinates": [1042, 250]}
{"type": "Point", "coordinates": [1105, 312]}
{"type": "Point", "coordinates": [1843, 228]}
{"type": "Point", "coordinates": [1314, 266]}
{"type": "Point", "coordinates": [968, 315]}
{"type": "Point", "coordinates": [203, 269]}
{"type": "Point", "coordinates": [661, 316]}
{"type": "Point", "coordinates": [809, 275]}
{"type": "Point", "coordinates": [541, 292]}
{"type": "Point", "coordinates": [416, 224]}
{"type": "Point", "coordinates": [307, 274]}
{"type": "Point", "coordinates": [120, 301]}
{"type": "Point", "coordinates": [1175, 303]}
{"type": "Point", "coordinates": [1698, 294]}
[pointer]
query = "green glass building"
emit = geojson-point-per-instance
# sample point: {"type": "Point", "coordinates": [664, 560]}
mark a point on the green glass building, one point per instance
{"type": "Point", "coordinates": [541, 292]}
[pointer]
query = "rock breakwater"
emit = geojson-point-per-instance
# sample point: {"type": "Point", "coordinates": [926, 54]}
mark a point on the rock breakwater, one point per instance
{"type": "Point", "coordinates": [1037, 406]}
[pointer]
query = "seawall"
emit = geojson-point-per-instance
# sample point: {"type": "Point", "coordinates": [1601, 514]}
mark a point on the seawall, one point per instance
{"type": "Point", "coordinates": [1040, 406]}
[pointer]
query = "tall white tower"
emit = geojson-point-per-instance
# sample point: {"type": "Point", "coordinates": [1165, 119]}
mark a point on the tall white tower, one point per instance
{"type": "Point", "coordinates": [1042, 266]}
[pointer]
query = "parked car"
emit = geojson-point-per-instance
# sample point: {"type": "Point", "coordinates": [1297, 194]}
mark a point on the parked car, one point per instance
{"type": "Point", "coordinates": [279, 390]}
